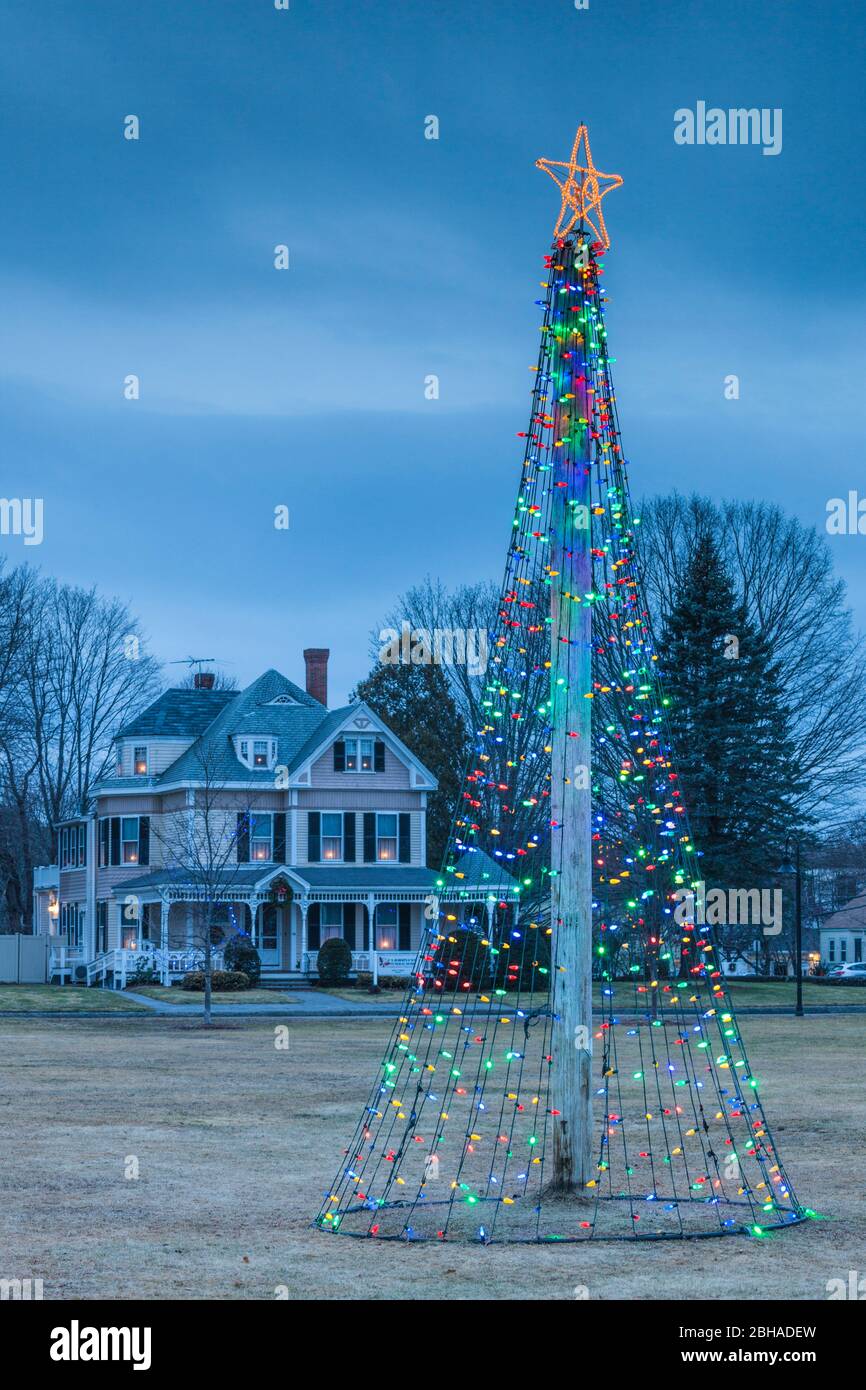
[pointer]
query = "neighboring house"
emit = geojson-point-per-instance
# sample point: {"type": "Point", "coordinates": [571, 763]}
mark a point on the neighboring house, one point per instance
{"type": "Point", "coordinates": [322, 818]}
{"type": "Point", "coordinates": [843, 935]}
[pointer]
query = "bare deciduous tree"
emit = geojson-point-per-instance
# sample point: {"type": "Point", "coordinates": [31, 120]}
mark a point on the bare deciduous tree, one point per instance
{"type": "Point", "coordinates": [198, 849]}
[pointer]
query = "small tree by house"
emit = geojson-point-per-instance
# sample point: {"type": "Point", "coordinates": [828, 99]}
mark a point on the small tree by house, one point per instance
{"type": "Point", "coordinates": [199, 849]}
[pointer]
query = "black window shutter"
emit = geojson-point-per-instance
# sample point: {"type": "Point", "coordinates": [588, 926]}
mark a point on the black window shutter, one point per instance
{"type": "Point", "coordinates": [280, 837]}
{"type": "Point", "coordinates": [369, 837]}
{"type": "Point", "coordinates": [349, 924]}
{"type": "Point", "coordinates": [314, 837]}
{"type": "Point", "coordinates": [404, 938]}
{"type": "Point", "coordinates": [404, 838]}
{"type": "Point", "coordinates": [144, 839]}
{"type": "Point", "coordinates": [242, 838]}
{"type": "Point", "coordinates": [115, 840]}
{"type": "Point", "coordinates": [314, 935]}
{"type": "Point", "coordinates": [349, 837]}
{"type": "Point", "coordinates": [339, 756]}
{"type": "Point", "coordinates": [378, 756]}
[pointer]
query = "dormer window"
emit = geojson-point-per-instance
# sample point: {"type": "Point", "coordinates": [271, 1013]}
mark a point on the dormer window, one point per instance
{"type": "Point", "coordinates": [256, 752]}
{"type": "Point", "coordinates": [139, 761]}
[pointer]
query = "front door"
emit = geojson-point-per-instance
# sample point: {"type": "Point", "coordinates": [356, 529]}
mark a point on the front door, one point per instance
{"type": "Point", "coordinates": [269, 934]}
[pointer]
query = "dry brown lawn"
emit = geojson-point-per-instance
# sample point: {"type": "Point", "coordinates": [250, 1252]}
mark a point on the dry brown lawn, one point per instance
{"type": "Point", "coordinates": [235, 1142]}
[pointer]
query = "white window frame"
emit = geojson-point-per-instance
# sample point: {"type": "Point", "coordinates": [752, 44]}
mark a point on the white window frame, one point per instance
{"type": "Point", "coordinates": [393, 928]}
{"type": "Point", "coordinates": [329, 929]}
{"type": "Point", "coordinates": [136, 749]}
{"type": "Point", "coordinates": [245, 751]}
{"type": "Point", "coordinates": [72, 924]}
{"type": "Point", "coordinates": [390, 858]}
{"type": "Point", "coordinates": [338, 839]}
{"type": "Point", "coordinates": [123, 841]}
{"type": "Point", "coordinates": [260, 839]}
{"type": "Point", "coordinates": [355, 741]}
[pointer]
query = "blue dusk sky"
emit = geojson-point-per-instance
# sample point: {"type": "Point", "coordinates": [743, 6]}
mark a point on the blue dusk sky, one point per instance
{"type": "Point", "coordinates": [408, 257]}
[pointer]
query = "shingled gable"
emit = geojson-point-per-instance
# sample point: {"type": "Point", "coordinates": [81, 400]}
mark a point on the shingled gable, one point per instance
{"type": "Point", "coordinates": [339, 721]}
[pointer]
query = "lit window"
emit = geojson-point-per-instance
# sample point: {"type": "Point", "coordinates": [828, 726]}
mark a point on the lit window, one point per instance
{"type": "Point", "coordinates": [129, 839]}
{"type": "Point", "coordinates": [386, 927]}
{"type": "Point", "coordinates": [260, 752]}
{"type": "Point", "coordinates": [260, 838]}
{"type": "Point", "coordinates": [351, 755]}
{"type": "Point", "coordinates": [332, 835]}
{"type": "Point", "coordinates": [139, 762]}
{"type": "Point", "coordinates": [386, 841]}
{"type": "Point", "coordinates": [365, 753]}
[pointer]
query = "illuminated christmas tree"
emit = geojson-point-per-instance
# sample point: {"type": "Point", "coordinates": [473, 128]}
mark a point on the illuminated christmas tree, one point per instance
{"type": "Point", "coordinates": [553, 1076]}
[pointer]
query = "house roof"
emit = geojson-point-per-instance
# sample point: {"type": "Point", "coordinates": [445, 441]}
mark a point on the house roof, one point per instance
{"type": "Point", "coordinates": [354, 877]}
{"type": "Point", "coordinates": [477, 869]}
{"type": "Point", "coordinates": [178, 713]}
{"type": "Point", "coordinates": [252, 712]}
{"type": "Point", "coordinates": [374, 877]}
{"type": "Point", "coordinates": [210, 719]}
{"type": "Point", "coordinates": [851, 917]}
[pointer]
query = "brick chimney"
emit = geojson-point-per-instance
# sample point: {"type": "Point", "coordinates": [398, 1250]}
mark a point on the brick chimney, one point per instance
{"type": "Point", "coordinates": [316, 659]}
{"type": "Point", "coordinates": [204, 680]}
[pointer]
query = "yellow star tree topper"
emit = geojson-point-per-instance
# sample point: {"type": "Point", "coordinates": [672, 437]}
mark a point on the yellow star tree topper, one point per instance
{"type": "Point", "coordinates": [581, 189]}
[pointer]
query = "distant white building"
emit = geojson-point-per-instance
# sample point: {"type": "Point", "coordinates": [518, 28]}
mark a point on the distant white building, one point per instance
{"type": "Point", "coordinates": [843, 936]}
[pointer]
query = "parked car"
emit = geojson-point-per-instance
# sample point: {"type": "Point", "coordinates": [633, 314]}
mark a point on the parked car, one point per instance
{"type": "Point", "coordinates": [855, 970]}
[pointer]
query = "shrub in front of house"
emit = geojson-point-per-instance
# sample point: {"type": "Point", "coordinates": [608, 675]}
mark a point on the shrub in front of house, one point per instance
{"type": "Point", "coordinates": [224, 981]}
{"type": "Point", "coordinates": [241, 954]}
{"type": "Point", "coordinates": [334, 961]}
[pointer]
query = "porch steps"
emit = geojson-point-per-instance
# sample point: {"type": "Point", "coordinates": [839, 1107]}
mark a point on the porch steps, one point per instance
{"type": "Point", "coordinates": [283, 980]}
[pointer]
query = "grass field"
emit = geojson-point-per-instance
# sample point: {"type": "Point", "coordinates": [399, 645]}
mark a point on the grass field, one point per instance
{"type": "Point", "coordinates": [63, 998]}
{"type": "Point", "coordinates": [235, 1141]}
{"type": "Point", "coordinates": [167, 995]}
{"type": "Point", "coordinates": [743, 994]}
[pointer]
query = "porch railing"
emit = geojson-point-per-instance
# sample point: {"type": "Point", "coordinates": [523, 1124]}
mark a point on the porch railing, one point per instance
{"type": "Point", "coordinates": [378, 963]}
{"type": "Point", "coordinates": [123, 964]}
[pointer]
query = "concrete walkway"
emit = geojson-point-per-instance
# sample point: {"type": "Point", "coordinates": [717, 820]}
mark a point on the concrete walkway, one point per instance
{"type": "Point", "coordinates": [319, 1006]}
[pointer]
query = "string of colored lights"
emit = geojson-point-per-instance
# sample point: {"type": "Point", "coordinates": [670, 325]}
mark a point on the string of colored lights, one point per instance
{"type": "Point", "coordinates": [454, 1141]}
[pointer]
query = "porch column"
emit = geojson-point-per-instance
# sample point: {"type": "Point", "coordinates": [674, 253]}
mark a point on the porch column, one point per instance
{"type": "Point", "coordinates": [254, 922]}
{"type": "Point", "coordinates": [489, 908]}
{"type": "Point", "coordinates": [164, 910]}
{"type": "Point", "coordinates": [303, 904]}
{"type": "Point", "coordinates": [374, 954]}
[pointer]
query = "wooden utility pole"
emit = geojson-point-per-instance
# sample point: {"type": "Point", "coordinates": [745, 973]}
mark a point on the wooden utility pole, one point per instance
{"type": "Point", "coordinates": [570, 791]}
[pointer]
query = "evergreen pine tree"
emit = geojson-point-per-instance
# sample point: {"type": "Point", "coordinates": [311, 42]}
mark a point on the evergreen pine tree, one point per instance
{"type": "Point", "coordinates": [416, 704]}
{"type": "Point", "coordinates": [728, 729]}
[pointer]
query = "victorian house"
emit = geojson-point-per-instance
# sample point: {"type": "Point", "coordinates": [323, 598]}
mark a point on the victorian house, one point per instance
{"type": "Point", "coordinates": [313, 823]}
